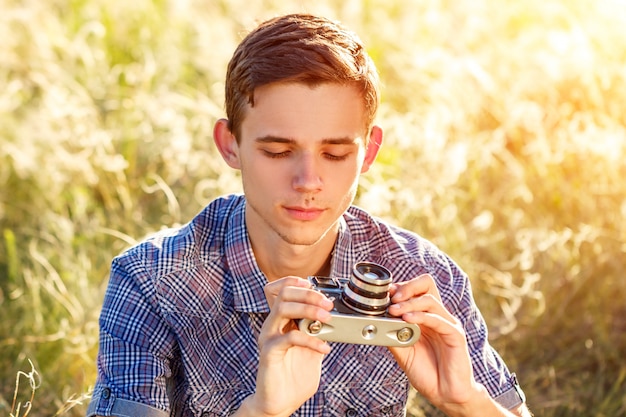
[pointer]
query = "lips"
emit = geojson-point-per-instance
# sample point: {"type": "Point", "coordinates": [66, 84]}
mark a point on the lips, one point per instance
{"type": "Point", "coordinates": [304, 213]}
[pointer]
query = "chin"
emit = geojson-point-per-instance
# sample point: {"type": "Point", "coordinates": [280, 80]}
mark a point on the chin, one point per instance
{"type": "Point", "coordinates": [300, 240]}
{"type": "Point", "coordinates": [303, 239]}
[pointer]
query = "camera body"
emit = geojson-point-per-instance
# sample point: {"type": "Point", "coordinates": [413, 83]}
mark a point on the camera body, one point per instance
{"type": "Point", "coordinates": [359, 314]}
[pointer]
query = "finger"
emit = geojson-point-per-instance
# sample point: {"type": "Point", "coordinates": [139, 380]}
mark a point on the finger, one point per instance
{"type": "Point", "coordinates": [451, 332]}
{"type": "Point", "coordinates": [273, 288]}
{"type": "Point", "coordinates": [304, 296]}
{"type": "Point", "coordinates": [433, 318]}
{"type": "Point", "coordinates": [426, 303]}
{"type": "Point", "coordinates": [423, 284]}
{"type": "Point", "coordinates": [293, 303]}
{"type": "Point", "coordinates": [294, 338]}
{"type": "Point", "coordinates": [281, 317]}
{"type": "Point", "coordinates": [437, 336]}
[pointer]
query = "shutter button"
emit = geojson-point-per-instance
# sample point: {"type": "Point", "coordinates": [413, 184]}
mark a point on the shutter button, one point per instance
{"type": "Point", "coordinates": [106, 393]}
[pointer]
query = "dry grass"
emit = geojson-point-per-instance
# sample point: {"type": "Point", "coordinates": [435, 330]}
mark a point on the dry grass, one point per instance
{"type": "Point", "coordinates": [505, 144]}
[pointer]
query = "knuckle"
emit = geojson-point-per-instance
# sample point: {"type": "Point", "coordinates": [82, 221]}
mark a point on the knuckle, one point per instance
{"type": "Point", "coordinates": [280, 308]}
{"type": "Point", "coordinates": [282, 294]}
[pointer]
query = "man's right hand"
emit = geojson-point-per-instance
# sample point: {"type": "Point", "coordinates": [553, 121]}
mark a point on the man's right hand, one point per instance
{"type": "Point", "coordinates": [290, 361]}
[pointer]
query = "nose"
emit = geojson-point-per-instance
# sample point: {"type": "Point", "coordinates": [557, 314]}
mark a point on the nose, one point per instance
{"type": "Point", "coordinates": [307, 176]}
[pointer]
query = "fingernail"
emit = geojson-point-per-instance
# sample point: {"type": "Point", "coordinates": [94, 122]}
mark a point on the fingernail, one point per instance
{"type": "Point", "coordinates": [324, 316]}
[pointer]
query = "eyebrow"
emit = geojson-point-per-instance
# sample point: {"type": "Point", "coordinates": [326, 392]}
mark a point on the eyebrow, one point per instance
{"type": "Point", "coordinates": [328, 141]}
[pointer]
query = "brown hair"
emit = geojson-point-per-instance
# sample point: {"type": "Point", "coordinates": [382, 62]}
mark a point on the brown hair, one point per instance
{"type": "Point", "coordinates": [298, 48]}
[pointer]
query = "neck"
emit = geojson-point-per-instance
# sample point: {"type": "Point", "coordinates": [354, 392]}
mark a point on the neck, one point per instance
{"type": "Point", "coordinates": [278, 259]}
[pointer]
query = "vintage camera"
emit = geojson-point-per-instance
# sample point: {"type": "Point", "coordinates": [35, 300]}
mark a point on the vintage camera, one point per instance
{"type": "Point", "coordinates": [359, 314]}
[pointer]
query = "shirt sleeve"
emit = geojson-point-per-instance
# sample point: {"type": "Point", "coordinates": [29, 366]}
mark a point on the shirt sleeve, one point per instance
{"type": "Point", "coordinates": [135, 347]}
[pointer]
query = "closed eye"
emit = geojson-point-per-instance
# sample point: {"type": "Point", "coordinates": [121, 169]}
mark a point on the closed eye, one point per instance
{"type": "Point", "coordinates": [270, 154]}
{"type": "Point", "coordinates": [333, 157]}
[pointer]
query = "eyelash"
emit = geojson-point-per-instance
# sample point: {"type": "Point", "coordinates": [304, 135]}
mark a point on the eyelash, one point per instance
{"type": "Point", "coordinates": [335, 157]}
{"type": "Point", "coordinates": [284, 154]}
{"type": "Point", "coordinates": [276, 155]}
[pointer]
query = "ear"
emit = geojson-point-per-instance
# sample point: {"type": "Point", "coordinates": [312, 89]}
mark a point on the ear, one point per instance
{"type": "Point", "coordinates": [373, 146]}
{"type": "Point", "coordinates": [226, 143]}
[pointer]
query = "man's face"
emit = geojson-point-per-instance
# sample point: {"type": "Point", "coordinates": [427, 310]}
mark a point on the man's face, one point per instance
{"type": "Point", "coordinates": [300, 153]}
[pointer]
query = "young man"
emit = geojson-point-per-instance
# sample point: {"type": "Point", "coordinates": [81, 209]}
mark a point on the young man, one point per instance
{"type": "Point", "coordinates": [200, 320]}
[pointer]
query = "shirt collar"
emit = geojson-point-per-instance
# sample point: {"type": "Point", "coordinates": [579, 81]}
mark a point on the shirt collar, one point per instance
{"type": "Point", "coordinates": [351, 247]}
{"type": "Point", "coordinates": [247, 278]}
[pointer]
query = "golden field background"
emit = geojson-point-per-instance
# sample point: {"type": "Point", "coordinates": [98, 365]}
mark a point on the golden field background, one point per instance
{"type": "Point", "coordinates": [505, 145]}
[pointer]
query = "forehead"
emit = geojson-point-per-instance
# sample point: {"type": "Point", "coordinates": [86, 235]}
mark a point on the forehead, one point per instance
{"type": "Point", "coordinates": [297, 110]}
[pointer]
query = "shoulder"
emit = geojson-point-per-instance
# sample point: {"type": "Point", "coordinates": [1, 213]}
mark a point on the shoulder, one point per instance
{"type": "Point", "coordinates": [380, 238]}
{"type": "Point", "coordinates": [183, 246]}
{"type": "Point", "coordinates": [405, 253]}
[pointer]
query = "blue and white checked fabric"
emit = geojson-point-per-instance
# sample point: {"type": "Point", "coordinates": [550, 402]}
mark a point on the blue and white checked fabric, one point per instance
{"type": "Point", "coordinates": [183, 310]}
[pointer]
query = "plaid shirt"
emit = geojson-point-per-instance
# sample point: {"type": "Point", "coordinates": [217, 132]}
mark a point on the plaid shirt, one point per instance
{"type": "Point", "coordinates": [183, 311]}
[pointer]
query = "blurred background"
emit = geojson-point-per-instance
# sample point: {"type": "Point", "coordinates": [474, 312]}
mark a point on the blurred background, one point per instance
{"type": "Point", "coordinates": [505, 145]}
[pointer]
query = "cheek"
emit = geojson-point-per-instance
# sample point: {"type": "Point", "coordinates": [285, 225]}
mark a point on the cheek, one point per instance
{"type": "Point", "coordinates": [263, 175]}
{"type": "Point", "coordinates": [349, 189]}
{"type": "Point", "coordinates": [342, 178]}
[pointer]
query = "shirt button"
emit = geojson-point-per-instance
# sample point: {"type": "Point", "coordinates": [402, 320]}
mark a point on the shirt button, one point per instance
{"type": "Point", "coordinates": [351, 412]}
{"type": "Point", "coordinates": [385, 409]}
{"type": "Point", "coordinates": [106, 393]}
{"type": "Point", "coordinates": [206, 414]}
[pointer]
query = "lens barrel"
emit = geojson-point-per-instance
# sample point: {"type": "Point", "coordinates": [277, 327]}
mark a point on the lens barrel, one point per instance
{"type": "Point", "coordinates": [367, 291]}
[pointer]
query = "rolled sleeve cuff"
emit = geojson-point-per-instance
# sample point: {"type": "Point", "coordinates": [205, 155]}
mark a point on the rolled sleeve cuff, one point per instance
{"type": "Point", "coordinates": [106, 404]}
{"type": "Point", "coordinates": [512, 398]}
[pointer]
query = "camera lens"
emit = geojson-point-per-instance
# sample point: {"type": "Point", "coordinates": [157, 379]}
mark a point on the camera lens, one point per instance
{"type": "Point", "coordinates": [367, 291]}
